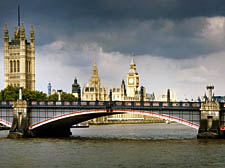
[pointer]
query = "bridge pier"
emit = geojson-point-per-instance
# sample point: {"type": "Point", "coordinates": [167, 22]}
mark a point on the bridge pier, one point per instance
{"type": "Point", "coordinates": [210, 118]}
{"type": "Point", "coordinates": [20, 123]}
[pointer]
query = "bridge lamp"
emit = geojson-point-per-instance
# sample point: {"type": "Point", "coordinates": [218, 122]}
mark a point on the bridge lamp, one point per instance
{"type": "Point", "coordinates": [210, 88]}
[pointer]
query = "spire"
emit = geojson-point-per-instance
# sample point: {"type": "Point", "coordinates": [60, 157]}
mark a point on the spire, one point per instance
{"type": "Point", "coordinates": [132, 61]}
{"type": "Point", "coordinates": [95, 61]}
{"type": "Point", "coordinates": [95, 69]}
{"type": "Point", "coordinates": [132, 66]}
{"type": "Point", "coordinates": [95, 80]}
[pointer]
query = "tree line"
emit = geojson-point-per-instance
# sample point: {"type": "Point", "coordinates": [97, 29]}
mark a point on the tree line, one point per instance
{"type": "Point", "coordinates": [11, 93]}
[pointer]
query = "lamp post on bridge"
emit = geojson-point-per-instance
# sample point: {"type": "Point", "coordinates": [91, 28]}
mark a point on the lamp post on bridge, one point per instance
{"type": "Point", "coordinates": [210, 89]}
{"type": "Point", "coordinates": [20, 93]}
{"type": "Point", "coordinates": [59, 95]}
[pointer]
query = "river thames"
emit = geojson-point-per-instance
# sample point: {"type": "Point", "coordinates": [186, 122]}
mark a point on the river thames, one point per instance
{"type": "Point", "coordinates": [112, 146]}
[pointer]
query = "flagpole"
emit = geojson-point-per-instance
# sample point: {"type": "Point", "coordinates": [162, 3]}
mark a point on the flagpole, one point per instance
{"type": "Point", "coordinates": [19, 14]}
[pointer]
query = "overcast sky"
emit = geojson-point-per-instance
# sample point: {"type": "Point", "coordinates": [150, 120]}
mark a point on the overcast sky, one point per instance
{"type": "Point", "coordinates": [178, 44]}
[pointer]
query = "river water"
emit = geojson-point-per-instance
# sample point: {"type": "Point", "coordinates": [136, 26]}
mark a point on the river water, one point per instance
{"type": "Point", "coordinates": [112, 146]}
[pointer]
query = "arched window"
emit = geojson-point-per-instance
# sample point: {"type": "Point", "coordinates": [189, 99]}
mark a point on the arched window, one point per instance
{"type": "Point", "coordinates": [18, 66]}
{"type": "Point", "coordinates": [11, 66]}
{"type": "Point", "coordinates": [14, 63]}
{"type": "Point", "coordinates": [28, 66]}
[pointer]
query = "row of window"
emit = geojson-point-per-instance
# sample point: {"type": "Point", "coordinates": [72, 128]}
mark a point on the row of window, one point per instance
{"type": "Point", "coordinates": [91, 97]}
{"type": "Point", "coordinates": [15, 66]}
{"type": "Point", "coordinates": [92, 89]}
{"type": "Point", "coordinates": [15, 84]}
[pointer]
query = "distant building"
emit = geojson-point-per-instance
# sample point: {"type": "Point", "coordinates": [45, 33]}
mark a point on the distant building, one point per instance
{"type": "Point", "coordinates": [94, 90]}
{"type": "Point", "coordinates": [49, 89]}
{"type": "Point", "coordinates": [132, 91]}
{"type": "Point", "coordinates": [119, 94]}
{"type": "Point", "coordinates": [53, 92]}
{"type": "Point", "coordinates": [219, 98]}
{"type": "Point", "coordinates": [171, 96]}
{"type": "Point", "coordinates": [132, 82]}
{"type": "Point", "coordinates": [19, 58]}
{"type": "Point", "coordinates": [76, 89]}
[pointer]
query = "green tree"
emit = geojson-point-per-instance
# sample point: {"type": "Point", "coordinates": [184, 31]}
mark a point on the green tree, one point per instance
{"type": "Point", "coordinates": [34, 95]}
{"type": "Point", "coordinates": [12, 93]}
{"type": "Point", "coordinates": [53, 97]}
{"type": "Point", "coordinates": [64, 97]}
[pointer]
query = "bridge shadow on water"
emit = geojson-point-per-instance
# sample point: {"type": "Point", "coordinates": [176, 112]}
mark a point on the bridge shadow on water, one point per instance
{"type": "Point", "coordinates": [156, 131]}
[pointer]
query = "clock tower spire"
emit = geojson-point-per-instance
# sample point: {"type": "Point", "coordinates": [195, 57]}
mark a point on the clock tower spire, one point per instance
{"type": "Point", "coordinates": [132, 80]}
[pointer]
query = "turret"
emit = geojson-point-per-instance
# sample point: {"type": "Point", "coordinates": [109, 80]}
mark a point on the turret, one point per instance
{"type": "Point", "coordinates": [32, 37]}
{"type": "Point", "coordinates": [22, 32]}
{"type": "Point", "coordinates": [210, 89]}
{"type": "Point", "coordinates": [76, 89]}
{"type": "Point", "coordinates": [19, 57]}
{"type": "Point", "coordinates": [142, 94]}
{"type": "Point", "coordinates": [6, 49]}
{"type": "Point", "coordinates": [123, 88]}
{"type": "Point", "coordinates": [6, 34]}
{"type": "Point", "coordinates": [32, 47]}
{"type": "Point", "coordinates": [168, 95]}
{"type": "Point", "coordinates": [15, 33]}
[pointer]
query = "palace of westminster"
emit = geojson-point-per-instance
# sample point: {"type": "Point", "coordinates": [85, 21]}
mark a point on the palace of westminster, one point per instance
{"type": "Point", "coordinates": [19, 70]}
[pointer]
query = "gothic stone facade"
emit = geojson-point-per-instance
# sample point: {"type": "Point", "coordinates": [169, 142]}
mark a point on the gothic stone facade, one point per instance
{"type": "Point", "coordinates": [19, 59]}
{"type": "Point", "coordinates": [94, 90]}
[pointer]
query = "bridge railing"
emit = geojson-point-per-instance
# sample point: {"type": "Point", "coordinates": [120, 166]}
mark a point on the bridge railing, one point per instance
{"type": "Point", "coordinates": [6, 103]}
{"type": "Point", "coordinates": [113, 104]}
{"type": "Point", "coordinates": [116, 104]}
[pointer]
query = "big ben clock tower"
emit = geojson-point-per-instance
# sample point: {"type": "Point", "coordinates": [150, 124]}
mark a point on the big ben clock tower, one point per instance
{"type": "Point", "coordinates": [132, 80]}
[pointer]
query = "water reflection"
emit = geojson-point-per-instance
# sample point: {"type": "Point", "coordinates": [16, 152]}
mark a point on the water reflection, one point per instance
{"type": "Point", "coordinates": [110, 146]}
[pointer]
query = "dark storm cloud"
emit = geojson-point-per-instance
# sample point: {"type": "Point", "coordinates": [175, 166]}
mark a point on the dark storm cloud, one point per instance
{"type": "Point", "coordinates": [140, 26]}
{"type": "Point", "coordinates": [124, 9]}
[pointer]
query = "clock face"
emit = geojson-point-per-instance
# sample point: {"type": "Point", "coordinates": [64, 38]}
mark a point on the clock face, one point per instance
{"type": "Point", "coordinates": [131, 80]}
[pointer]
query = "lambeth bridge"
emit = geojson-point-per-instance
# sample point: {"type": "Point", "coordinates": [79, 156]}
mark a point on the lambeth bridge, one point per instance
{"type": "Point", "coordinates": [55, 118]}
